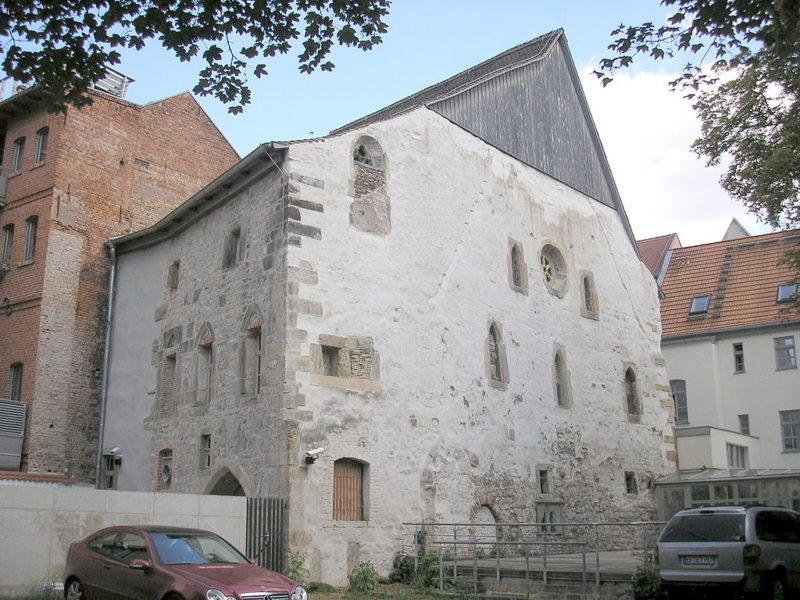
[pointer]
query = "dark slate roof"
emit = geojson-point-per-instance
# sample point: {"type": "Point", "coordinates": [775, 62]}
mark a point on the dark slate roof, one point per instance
{"type": "Point", "coordinates": [510, 59]}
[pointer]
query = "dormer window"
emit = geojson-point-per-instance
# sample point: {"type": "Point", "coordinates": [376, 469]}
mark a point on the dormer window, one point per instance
{"type": "Point", "coordinates": [787, 292]}
{"type": "Point", "coordinates": [700, 304]}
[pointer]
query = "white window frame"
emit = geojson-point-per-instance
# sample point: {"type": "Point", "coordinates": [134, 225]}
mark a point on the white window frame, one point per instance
{"type": "Point", "coordinates": [19, 152]}
{"type": "Point", "coordinates": [681, 400]}
{"type": "Point", "coordinates": [41, 144]}
{"type": "Point", "coordinates": [785, 353]}
{"type": "Point", "coordinates": [790, 430]}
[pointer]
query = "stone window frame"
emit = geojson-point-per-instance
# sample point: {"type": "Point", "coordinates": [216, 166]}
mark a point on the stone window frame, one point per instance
{"type": "Point", "coordinates": [343, 348]}
{"type": "Point", "coordinates": [370, 210]}
{"type": "Point", "coordinates": [562, 382]}
{"type": "Point", "coordinates": [631, 482]}
{"type": "Point", "coordinates": [173, 275]}
{"type": "Point", "coordinates": [632, 396]}
{"type": "Point", "coordinates": [251, 353]}
{"type": "Point", "coordinates": [554, 269]}
{"type": "Point", "coordinates": [204, 366]}
{"type": "Point", "coordinates": [165, 471]}
{"type": "Point", "coordinates": [31, 228]}
{"type": "Point", "coordinates": [496, 367]}
{"type": "Point", "coordinates": [41, 145]}
{"type": "Point", "coordinates": [232, 247]}
{"type": "Point", "coordinates": [204, 451]}
{"type": "Point", "coordinates": [517, 273]}
{"type": "Point", "coordinates": [8, 243]}
{"type": "Point", "coordinates": [550, 512]}
{"type": "Point", "coordinates": [544, 484]}
{"type": "Point", "coordinates": [18, 156]}
{"type": "Point", "coordinates": [590, 305]}
{"type": "Point", "coordinates": [350, 487]}
{"type": "Point", "coordinates": [168, 376]}
{"type": "Point", "coordinates": [372, 156]}
{"type": "Point", "coordinates": [17, 371]}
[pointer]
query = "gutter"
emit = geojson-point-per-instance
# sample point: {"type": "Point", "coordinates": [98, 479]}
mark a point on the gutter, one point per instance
{"type": "Point", "coordinates": [106, 360]}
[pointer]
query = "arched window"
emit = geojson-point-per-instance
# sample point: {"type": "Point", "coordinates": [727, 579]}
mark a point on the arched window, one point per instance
{"type": "Point", "coordinates": [370, 210]}
{"type": "Point", "coordinates": [251, 359]}
{"type": "Point", "coordinates": [164, 475]}
{"type": "Point", "coordinates": [350, 490]}
{"type": "Point", "coordinates": [494, 354]}
{"type": "Point", "coordinates": [589, 305]}
{"type": "Point", "coordinates": [496, 363]}
{"type": "Point", "coordinates": [205, 366]}
{"type": "Point", "coordinates": [561, 380]}
{"type": "Point", "coordinates": [631, 393]}
{"type": "Point", "coordinates": [516, 274]}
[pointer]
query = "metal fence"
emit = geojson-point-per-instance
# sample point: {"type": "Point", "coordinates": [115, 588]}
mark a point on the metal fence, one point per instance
{"type": "Point", "coordinates": [266, 532]}
{"type": "Point", "coordinates": [468, 553]}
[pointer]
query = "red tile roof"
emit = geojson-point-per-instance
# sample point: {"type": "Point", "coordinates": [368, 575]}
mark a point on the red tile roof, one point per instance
{"type": "Point", "coordinates": [653, 250]}
{"type": "Point", "coordinates": [742, 277]}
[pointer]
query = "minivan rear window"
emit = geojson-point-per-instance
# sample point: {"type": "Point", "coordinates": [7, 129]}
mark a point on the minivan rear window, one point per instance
{"type": "Point", "coordinates": [705, 528]}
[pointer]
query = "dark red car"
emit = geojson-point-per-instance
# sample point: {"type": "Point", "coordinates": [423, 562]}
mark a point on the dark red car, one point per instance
{"type": "Point", "coordinates": [153, 562]}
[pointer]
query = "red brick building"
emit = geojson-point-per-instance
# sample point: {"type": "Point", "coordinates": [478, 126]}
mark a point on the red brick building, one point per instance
{"type": "Point", "coordinates": [68, 182]}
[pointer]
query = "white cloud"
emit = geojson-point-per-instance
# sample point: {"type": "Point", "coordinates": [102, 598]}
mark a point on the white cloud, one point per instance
{"type": "Point", "coordinates": [646, 131]}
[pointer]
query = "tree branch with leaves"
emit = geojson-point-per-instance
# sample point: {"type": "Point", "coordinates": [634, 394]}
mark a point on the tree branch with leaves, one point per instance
{"type": "Point", "coordinates": [66, 45]}
{"type": "Point", "coordinates": [743, 79]}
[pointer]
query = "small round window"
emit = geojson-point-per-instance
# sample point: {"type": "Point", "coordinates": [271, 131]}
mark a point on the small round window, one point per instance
{"type": "Point", "coordinates": [554, 270]}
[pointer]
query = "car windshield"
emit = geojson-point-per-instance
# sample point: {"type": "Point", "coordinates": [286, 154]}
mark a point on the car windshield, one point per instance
{"type": "Point", "coordinates": [705, 528]}
{"type": "Point", "coordinates": [194, 549]}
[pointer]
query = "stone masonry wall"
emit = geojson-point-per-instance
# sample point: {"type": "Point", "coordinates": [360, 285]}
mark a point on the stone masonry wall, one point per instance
{"type": "Point", "coordinates": [215, 305]}
{"type": "Point", "coordinates": [440, 440]}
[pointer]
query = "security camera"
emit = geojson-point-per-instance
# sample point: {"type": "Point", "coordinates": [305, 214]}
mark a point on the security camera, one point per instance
{"type": "Point", "coordinates": [114, 451]}
{"type": "Point", "coordinates": [313, 455]}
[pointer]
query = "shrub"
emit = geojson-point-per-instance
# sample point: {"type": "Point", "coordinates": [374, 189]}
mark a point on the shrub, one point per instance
{"type": "Point", "coordinates": [402, 568]}
{"type": "Point", "coordinates": [317, 587]}
{"type": "Point", "coordinates": [427, 575]}
{"type": "Point", "coordinates": [363, 577]}
{"type": "Point", "coordinates": [297, 567]}
{"type": "Point", "coordinates": [647, 582]}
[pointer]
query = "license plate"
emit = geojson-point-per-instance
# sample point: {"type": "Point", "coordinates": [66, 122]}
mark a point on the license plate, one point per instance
{"type": "Point", "coordinates": [699, 561]}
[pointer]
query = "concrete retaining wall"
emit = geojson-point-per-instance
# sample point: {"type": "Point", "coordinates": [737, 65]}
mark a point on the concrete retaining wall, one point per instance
{"type": "Point", "coordinates": [38, 523]}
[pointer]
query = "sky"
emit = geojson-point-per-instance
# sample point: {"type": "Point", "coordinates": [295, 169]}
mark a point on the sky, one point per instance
{"type": "Point", "coordinates": [646, 129]}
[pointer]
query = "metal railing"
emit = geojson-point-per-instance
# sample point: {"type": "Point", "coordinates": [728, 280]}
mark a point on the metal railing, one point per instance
{"type": "Point", "coordinates": [469, 552]}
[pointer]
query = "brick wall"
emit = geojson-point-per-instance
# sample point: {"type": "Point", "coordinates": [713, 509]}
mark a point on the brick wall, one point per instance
{"type": "Point", "coordinates": [110, 168]}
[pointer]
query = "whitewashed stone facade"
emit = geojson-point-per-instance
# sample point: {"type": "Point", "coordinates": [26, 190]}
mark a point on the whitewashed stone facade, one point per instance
{"type": "Point", "coordinates": [375, 293]}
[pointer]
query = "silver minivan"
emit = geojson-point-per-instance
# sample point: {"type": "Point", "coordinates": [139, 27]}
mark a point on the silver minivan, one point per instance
{"type": "Point", "coordinates": [746, 550]}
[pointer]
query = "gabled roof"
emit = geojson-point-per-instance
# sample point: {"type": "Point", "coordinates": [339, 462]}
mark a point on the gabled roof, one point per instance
{"type": "Point", "coordinates": [527, 102]}
{"type": "Point", "coordinates": [742, 277]}
{"type": "Point", "coordinates": [654, 250]}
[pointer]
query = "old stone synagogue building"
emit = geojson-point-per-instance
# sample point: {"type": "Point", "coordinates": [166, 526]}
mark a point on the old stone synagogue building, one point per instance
{"type": "Point", "coordinates": [433, 312]}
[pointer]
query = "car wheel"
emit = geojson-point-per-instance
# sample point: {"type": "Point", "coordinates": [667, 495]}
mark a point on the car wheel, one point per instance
{"type": "Point", "coordinates": [74, 591]}
{"type": "Point", "coordinates": [775, 588]}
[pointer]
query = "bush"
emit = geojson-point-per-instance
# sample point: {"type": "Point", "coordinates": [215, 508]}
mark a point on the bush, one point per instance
{"type": "Point", "coordinates": [297, 567]}
{"type": "Point", "coordinates": [317, 587]}
{"type": "Point", "coordinates": [427, 575]}
{"type": "Point", "coordinates": [363, 577]}
{"type": "Point", "coordinates": [402, 568]}
{"type": "Point", "coordinates": [647, 582]}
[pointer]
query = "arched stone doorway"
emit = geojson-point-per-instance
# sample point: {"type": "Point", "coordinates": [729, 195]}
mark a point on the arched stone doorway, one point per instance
{"type": "Point", "coordinates": [225, 483]}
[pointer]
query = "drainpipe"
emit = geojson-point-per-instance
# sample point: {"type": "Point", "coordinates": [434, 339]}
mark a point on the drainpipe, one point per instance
{"type": "Point", "coordinates": [106, 357]}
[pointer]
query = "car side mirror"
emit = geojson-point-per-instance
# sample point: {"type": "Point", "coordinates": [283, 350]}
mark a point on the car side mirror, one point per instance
{"type": "Point", "coordinates": [253, 561]}
{"type": "Point", "coordinates": [140, 563]}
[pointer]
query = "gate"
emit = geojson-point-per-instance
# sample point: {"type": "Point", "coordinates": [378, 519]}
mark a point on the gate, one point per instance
{"type": "Point", "coordinates": [266, 532]}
